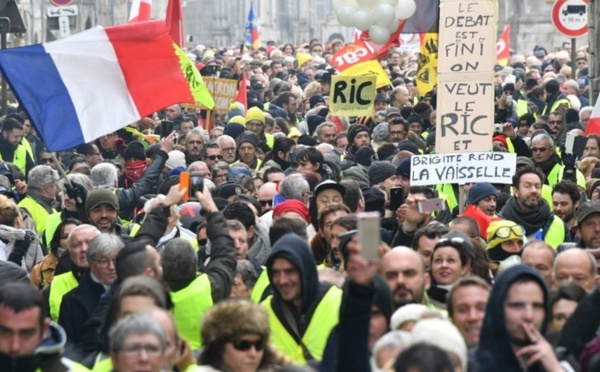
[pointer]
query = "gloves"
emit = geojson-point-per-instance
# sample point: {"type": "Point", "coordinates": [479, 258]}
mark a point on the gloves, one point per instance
{"type": "Point", "coordinates": [569, 173]}
{"type": "Point", "coordinates": [21, 247]}
{"type": "Point", "coordinates": [76, 191]}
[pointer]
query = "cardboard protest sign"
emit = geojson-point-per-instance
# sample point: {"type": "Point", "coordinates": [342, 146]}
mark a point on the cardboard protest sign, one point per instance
{"type": "Point", "coordinates": [357, 60]}
{"type": "Point", "coordinates": [223, 91]}
{"type": "Point", "coordinates": [352, 95]}
{"type": "Point", "coordinates": [466, 58]}
{"type": "Point", "coordinates": [465, 122]}
{"type": "Point", "coordinates": [494, 167]}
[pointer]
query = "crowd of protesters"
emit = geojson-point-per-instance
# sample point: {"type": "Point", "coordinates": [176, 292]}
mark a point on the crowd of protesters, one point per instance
{"type": "Point", "coordinates": [105, 267]}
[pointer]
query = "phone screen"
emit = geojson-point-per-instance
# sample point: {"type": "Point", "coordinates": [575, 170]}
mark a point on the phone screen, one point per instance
{"type": "Point", "coordinates": [396, 197]}
{"type": "Point", "coordinates": [196, 184]}
{"type": "Point", "coordinates": [369, 234]}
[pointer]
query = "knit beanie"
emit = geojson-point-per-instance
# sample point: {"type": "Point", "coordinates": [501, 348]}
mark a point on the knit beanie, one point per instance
{"type": "Point", "coordinates": [479, 191]}
{"type": "Point", "coordinates": [383, 297]}
{"type": "Point", "coordinates": [314, 100]}
{"type": "Point", "coordinates": [313, 122]}
{"type": "Point", "coordinates": [248, 137]}
{"type": "Point", "coordinates": [502, 231]}
{"type": "Point", "coordinates": [238, 119]}
{"type": "Point", "coordinates": [414, 118]}
{"type": "Point", "coordinates": [380, 171]}
{"type": "Point", "coordinates": [408, 146]}
{"type": "Point", "coordinates": [235, 111]}
{"type": "Point", "coordinates": [176, 159]}
{"type": "Point", "coordinates": [364, 156]}
{"type": "Point", "coordinates": [307, 140]}
{"type": "Point", "coordinates": [135, 150]}
{"type": "Point", "coordinates": [403, 169]}
{"type": "Point", "coordinates": [233, 129]}
{"type": "Point", "coordinates": [97, 197]}
{"type": "Point", "coordinates": [443, 334]}
{"type": "Point", "coordinates": [551, 86]}
{"type": "Point", "coordinates": [255, 114]}
{"type": "Point", "coordinates": [408, 312]}
{"type": "Point", "coordinates": [292, 205]}
{"type": "Point", "coordinates": [500, 138]}
{"type": "Point", "coordinates": [381, 132]}
{"type": "Point", "coordinates": [352, 132]}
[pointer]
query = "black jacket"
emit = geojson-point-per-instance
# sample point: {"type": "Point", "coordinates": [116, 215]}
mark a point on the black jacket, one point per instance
{"type": "Point", "coordinates": [494, 352]}
{"type": "Point", "coordinates": [128, 198]}
{"type": "Point", "coordinates": [78, 305]}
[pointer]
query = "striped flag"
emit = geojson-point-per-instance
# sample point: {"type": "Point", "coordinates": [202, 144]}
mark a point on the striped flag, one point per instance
{"type": "Point", "coordinates": [251, 29]}
{"type": "Point", "coordinates": [80, 88]}
{"type": "Point", "coordinates": [593, 125]}
{"type": "Point", "coordinates": [141, 10]}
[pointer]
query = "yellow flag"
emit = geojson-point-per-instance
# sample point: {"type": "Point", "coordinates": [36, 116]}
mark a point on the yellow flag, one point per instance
{"type": "Point", "coordinates": [428, 62]}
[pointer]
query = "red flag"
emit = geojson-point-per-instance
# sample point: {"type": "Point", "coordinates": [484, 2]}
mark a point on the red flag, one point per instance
{"type": "Point", "coordinates": [381, 51]}
{"type": "Point", "coordinates": [141, 10]}
{"type": "Point", "coordinates": [503, 47]}
{"type": "Point", "coordinates": [593, 125]}
{"type": "Point", "coordinates": [242, 95]}
{"type": "Point", "coordinates": [175, 22]}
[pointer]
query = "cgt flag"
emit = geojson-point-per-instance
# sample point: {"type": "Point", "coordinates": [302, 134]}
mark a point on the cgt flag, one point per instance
{"type": "Point", "coordinates": [593, 125]}
{"type": "Point", "coordinates": [93, 83]}
{"type": "Point", "coordinates": [251, 29]}
{"type": "Point", "coordinates": [503, 47]}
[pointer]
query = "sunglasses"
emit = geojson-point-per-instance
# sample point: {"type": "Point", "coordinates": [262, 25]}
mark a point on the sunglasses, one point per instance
{"type": "Point", "coordinates": [245, 345]}
{"type": "Point", "coordinates": [264, 203]}
{"type": "Point", "coordinates": [215, 157]}
{"type": "Point", "coordinates": [46, 160]}
{"type": "Point", "coordinates": [555, 122]}
{"type": "Point", "coordinates": [455, 240]}
{"type": "Point", "coordinates": [505, 232]}
{"type": "Point", "coordinates": [539, 149]}
{"type": "Point", "coordinates": [202, 242]}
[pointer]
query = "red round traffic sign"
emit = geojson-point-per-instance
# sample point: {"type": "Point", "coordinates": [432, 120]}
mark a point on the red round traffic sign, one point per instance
{"type": "Point", "coordinates": [61, 2]}
{"type": "Point", "coordinates": [570, 17]}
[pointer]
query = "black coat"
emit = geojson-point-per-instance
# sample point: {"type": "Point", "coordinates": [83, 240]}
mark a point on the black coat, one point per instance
{"type": "Point", "coordinates": [78, 305]}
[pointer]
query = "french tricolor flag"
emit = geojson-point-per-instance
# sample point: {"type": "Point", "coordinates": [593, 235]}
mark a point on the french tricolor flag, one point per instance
{"type": "Point", "coordinates": [100, 80]}
{"type": "Point", "coordinates": [593, 125]}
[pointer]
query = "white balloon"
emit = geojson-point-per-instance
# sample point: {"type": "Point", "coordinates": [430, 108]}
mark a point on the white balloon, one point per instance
{"type": "Point", "coordinates": [337, 4]}
{"type": "Point", "coordinates": [345, 15]}
{"type": "Point", "coordinates": [405, 9]}
{"type": "Point", "coordinates": [384, 14]}
{"type": "Point", "coordinates": [393, 26]}
{"type": "Point", "coordinates": [366, 4]}
{"type": "Point", "coordinates": [391, 2]}
{"type": "Point", "coordinates": [379, 34]}
{"type": "Point", "coordinates": [364, 20]}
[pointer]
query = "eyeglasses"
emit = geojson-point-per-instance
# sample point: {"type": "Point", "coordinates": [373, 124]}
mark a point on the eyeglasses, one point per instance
{"type": "Point", "coordinates": [264, 203]}
{"type": "Point", "coordinates": [505, 232]}
{"type": "Point", "coordinates": [46, 160]}
{"type": "Point", "coordinates": [135, 350]}
{"type": "Point", "coordinates": [539, 149]}
{"type": "Point", "coordinates": [105, 262]}
{"type": "Point", "coordinates": [398, 132]}
{"type": "Point", "coordinates": [215, 157]}
{"type": "Point", "coordinates": [555, 122]}
{"type": "Point", "coordinates": [245, 345]}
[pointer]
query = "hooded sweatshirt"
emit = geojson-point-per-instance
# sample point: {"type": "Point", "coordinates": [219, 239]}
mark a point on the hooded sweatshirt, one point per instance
{"type": "Point", "coordinates": [494, 352]}
{"type": "Point", "coordinates": [47, 357]}
{"type": "Point", "coordinates": [296, 250]}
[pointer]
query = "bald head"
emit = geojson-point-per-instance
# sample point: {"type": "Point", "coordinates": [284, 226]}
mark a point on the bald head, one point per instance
{"type": "Point", "coordinates": [266, 193]}
{"type": "Point", "coordinates": [540, 256]}
{"type": "Point", "coordinates": [167, 324]}
{"type": "Point", "coordinates": [404, 271]}
{"type": "Point", "coordinates": [578, 266]}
